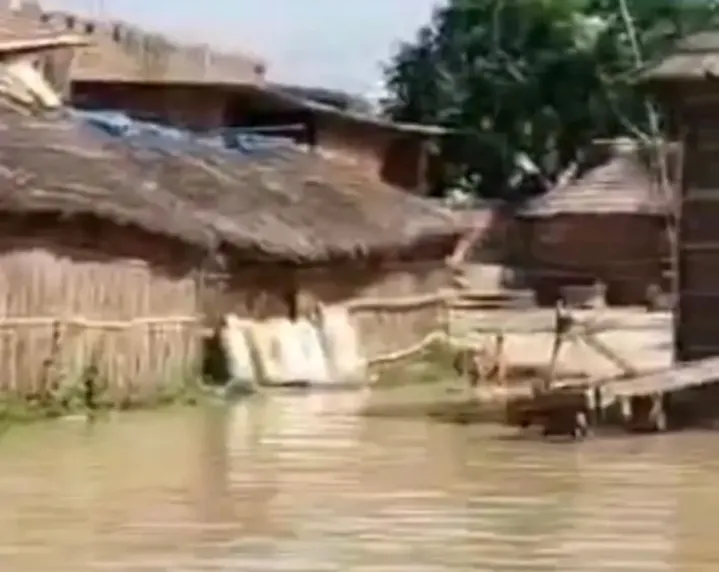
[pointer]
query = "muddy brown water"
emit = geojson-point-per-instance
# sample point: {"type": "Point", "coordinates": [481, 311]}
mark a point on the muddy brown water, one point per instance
{"type": "Point", "coordinates": [301, 483]}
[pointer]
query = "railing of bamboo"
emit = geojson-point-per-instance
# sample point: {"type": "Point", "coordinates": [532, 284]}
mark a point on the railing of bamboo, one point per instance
{"type": "Point", "coordinates": [395, 329]}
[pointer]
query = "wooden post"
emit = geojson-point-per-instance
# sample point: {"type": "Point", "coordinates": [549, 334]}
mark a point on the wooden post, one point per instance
{"type": "Point", "coordinates": [626, 409]}
{"type": "Point", "coordinates": [657, 414]}
{"type": "Point", "coordinates": [562, 327]}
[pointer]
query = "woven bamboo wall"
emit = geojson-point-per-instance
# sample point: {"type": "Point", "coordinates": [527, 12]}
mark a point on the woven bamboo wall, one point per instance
{"type": "Point", "coordinates": [385, 325]}
{"type": "Point", "coordinates": [64, 308]}
{"type": "Point", "coordinates": [400, 307]}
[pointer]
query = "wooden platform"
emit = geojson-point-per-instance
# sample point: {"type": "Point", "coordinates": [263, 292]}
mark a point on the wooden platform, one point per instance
{"type": "Point", "coordinates": [681, 376]}
{"type": "Point", "coordinates": [644, 402]}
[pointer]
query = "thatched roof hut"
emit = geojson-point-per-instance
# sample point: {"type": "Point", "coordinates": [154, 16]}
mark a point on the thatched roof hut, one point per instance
{"type": "Point", "coordinates": [607, 224]}
{"type": "Point", "coordinates": [117, 246]}
{"type": "Point", "coordinates": [104, 232]}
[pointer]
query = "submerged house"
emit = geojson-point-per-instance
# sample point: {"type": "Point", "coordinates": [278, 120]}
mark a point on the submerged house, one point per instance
{"type": "Point", "coordinates": [151, 78]}
{"type": "Point", "coordinates": [607, 225]}
{"type": "Point", "coordinates": [118, 249]}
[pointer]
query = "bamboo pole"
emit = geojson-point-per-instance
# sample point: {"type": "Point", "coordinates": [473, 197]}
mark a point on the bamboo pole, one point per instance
{"type": "Point", "coordinates": [657, 146]}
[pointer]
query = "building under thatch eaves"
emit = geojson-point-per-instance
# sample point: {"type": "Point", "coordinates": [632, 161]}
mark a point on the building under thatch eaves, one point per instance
{"type": "Point", "coordinates": [296, 226]}
{"type": "Point", "coordinates": [607, 225]}
{"type": "Point", "coordinates": [118, 248]}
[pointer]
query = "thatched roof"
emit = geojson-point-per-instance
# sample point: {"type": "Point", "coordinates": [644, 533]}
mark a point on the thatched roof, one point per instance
{"type": "Point", "coordinates": [286, 204]}
{"type": "Point", "coordinates": [22, 32]}
{"type": "Point", "coordinates": [292, 203]}
{"type": "Point", "coordinates": [55, 165]}
{"type": "Point", "coordinates": [621, 183]}
{"type": "Point", "coordinates": [695, 58]}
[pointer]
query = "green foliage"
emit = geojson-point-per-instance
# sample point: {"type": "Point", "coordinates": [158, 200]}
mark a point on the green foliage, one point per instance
{"type": "Point", "coordinates": [77, 397]}
{"type": "Point", "coordinates": [538, 77]}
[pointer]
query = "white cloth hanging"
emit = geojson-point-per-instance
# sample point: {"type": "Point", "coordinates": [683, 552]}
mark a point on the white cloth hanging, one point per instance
{"type": "Point", "coordinates": [235, 344]}
{"type": "Point", "coordinates": [343, 345]}
{"type": "Point", "coordinates": [302, 356]}
{"type": "Point", "coordinates": [315, 360]}
{"type": "Point", "coordinates": [265, 336]}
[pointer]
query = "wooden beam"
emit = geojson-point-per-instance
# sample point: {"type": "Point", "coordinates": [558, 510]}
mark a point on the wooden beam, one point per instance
{"type": "Point", "coordinates": [694, 374]}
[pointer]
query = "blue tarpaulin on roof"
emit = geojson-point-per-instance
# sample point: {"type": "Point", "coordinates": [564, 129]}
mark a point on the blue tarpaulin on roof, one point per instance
{"type": "Point", "coordinates": [244, 141]}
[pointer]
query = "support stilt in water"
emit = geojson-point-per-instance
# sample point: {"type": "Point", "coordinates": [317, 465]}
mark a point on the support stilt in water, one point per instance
{"type": "Point", "coordinates": [646, 413]}
{"type": "Point", "coordinates": [658, 414]}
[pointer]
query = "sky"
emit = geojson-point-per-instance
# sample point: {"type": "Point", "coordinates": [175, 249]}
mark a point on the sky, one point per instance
{"type": "Point", "coordinates": [332, 43]}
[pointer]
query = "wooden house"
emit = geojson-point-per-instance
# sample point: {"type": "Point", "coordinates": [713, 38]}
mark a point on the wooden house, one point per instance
{"type": "Point", "coordinates": [687, 84]}
{"type": "Point", "coordinates": [606, 224]}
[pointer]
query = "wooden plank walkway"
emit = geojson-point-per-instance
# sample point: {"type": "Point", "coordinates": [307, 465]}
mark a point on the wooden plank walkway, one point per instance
{"type": "Point", "coordinates": [701, 372]}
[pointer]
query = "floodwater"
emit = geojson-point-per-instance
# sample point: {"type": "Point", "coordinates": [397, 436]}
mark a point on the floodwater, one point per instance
{"type": "Point", "coordinates": [300, 483]}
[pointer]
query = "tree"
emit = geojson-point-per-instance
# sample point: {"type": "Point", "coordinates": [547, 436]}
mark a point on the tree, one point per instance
{"type": "Point", "coordinates": [534, 78]}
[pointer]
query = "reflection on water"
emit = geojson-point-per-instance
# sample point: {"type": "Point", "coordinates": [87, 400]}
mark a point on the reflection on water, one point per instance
{"type": "Point", "coordinates": [297, 483]}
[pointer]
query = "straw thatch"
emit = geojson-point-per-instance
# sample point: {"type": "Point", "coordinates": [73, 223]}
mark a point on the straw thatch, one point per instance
{"type": "Point", "coordinates": [21, 31]}
{"type": "Point", "coordinates": [289, 204]}
{"type": "Point", "coordinates": [695, 58]}
{"type": "Point", "coordinates": [622, 183]}
{"type": "Point", "coordinates": [53, 164]}
{"type": "Point", "coordinates": [292, 204]}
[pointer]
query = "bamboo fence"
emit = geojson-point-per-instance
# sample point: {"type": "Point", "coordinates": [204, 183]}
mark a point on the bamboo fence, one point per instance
{"type": "Point", "coordinates": [125, 358]}
{"type": "Point", "coordinates": [395, 329]}
{"type": "Point", "coordinates": [64, 319]}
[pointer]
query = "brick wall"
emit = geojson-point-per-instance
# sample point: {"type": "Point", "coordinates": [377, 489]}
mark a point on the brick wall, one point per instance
{"type": "Point", "coordinates": [185, 107]}
{"type": "Point", "coordinates": [155, 56]}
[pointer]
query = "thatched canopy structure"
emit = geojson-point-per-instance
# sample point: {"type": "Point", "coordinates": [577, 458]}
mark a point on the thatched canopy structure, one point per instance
{"type": "Point", "coordinates": [287, 204]}
{"type": "Point", "coordinates": [284, 204]}
{"type": "Point", "coordinates": [118, 247]}
{"type": "Point", "coordinates": [293, 204]}
{"type": "Point", "coordinates": [621, 180]}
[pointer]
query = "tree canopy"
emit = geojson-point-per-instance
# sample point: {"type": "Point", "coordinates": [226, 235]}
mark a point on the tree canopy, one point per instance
{"type": "Point", "coordinates": [534, 78]}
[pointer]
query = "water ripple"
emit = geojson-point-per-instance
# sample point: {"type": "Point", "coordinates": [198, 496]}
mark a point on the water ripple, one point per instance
{"type": "Point", "coordinates": [288, 484]}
